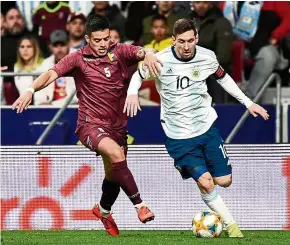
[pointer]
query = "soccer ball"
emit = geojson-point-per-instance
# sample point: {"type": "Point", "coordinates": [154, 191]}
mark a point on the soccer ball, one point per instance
{"type": "Point", "coordinates": [207, 224]}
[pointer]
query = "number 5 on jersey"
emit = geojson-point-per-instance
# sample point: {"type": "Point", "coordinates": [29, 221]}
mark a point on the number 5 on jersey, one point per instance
{"type": "Point", "coordinates": [107, 72]}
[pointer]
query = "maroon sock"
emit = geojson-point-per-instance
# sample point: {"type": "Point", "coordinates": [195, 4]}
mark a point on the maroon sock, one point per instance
{"type": "Point", "coordinates": [111, 191]}
{"type": "Point", "coordinates": [123, 176]}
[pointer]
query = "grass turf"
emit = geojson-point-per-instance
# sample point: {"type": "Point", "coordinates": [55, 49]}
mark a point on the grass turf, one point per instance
{"type": "Point", "coordinates": [77, 237]}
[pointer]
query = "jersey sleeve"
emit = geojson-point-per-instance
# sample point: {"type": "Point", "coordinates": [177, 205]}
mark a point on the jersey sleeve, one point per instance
{"type": "Point", "coordinates": [129, 53]}
{"type": "Point", "coordinates": [216, 69]}
{"type": "Point", "coordinates": [143, 72]}
{"type": "Point", "coordinates": [67, 64]}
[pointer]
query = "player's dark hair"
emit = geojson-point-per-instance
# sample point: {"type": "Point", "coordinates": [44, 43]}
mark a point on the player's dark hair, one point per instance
{"type": "Point", "coordinates": [158, 17]}
{"type": "Point", "coordinates": [96, 23]}
{"type": "Point", "coordinates": [183, 25]}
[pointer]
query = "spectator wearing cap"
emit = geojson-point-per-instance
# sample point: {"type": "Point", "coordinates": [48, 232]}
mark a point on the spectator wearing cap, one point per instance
{"type": "Point", "coordinates": [49, 16]}
{"type": "Point", "coordinates": [76, 30]}
{"type": "Point", "coordinates": [57, 92]}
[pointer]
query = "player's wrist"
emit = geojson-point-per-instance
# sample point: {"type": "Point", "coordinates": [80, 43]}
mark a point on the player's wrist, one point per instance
{"type": "Point", "coordinates": [248, 103]}
{"type": "Point", "coordinates": [30, 89]}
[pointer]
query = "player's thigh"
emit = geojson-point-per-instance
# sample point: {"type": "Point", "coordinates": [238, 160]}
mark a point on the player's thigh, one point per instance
{"type": "Point", "coordinates": [223, 181]}
{"type": "Point", "coordinates": [101, 140]}
{"type": "Point", "coordinates": [188, 157]}
{"type": "Point", "coordinates": [110, 148]}
{"type": "Point", "coordinates": [216, 157]}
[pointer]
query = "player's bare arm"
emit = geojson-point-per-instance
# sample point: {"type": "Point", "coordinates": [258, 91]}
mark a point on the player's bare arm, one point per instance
{"type": "Point", "coordinates": [231, 87]}
{"type": "Point", "coordinates": [150, 60]}
{"type": "Point", "coordinates": [39, 83]}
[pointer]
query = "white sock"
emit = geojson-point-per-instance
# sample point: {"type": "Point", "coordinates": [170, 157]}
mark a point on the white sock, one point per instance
{"type": "Point", "coordinates": [104, 211]}
{"type": "Point", "coordinates": [214, 201]}
{"type": "Point", "coordinates": [138, 206]}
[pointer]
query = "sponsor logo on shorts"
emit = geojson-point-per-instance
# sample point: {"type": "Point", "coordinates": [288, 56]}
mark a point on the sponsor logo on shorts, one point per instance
{"type": "Point", "coordinates": [89, 142]}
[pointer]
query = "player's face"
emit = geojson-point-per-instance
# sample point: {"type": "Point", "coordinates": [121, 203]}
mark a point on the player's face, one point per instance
{"type": "Point", "coordinates": [185, 44]}
{"type": "Point", "coordinates": [159, 30]}
{"type": "Point", "coordinates": [76, 28]}
{"type": "Point", "coordinates": [99, 41]}
{"type": "Point", "coordinates": [201, 7]}
{"type": "Point", "coordinates": [26, 50]}
{"type": "Point", "coordinates": [115, 37]}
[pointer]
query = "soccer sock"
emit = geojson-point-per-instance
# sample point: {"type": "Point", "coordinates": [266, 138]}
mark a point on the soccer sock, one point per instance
{"type": "Point", "coordinates": [103, 211]}
{"type": "Point", "coordinates": [110, 193]}
{"type": "Point", "coordinates": [214, 201]}
{"type": "Point", "coordinates": [138, 206]}
{"type": "Point", "coordinates": [123, 176]}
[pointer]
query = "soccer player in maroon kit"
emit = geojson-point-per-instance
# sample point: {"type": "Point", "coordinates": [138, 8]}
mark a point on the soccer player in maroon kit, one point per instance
{"type": "Point", "coordinates": [100, 70]}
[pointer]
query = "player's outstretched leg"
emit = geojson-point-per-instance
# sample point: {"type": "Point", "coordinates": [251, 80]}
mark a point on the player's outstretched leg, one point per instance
{"type": "Point", "coordinates": [122, 174]}
{"type": "Point", "coordinates": [214, 201]}
{"type": "Point", "coordinates": [102, 211]}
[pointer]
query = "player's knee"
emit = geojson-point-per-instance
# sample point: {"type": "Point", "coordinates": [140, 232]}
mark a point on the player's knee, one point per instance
{"type": "Point", "coordinates": [225, 181]}
{"type": "Point", "coordinates": [116, 155]}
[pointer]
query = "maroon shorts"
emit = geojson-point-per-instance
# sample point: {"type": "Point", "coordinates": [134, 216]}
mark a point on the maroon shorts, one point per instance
{"type": "Point", "coordinates": [91, 135]}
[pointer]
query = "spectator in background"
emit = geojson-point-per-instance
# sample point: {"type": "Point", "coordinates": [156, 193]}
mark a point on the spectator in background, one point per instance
{"type": "Point", "coordinates": [159, 31]}
{"type": "Point", "coordinates": [28, 60]}
{"type": "Point", "coordinates": [262, 25]}
{"type": "Point", "coordinates": [2, 100]}
{"type": "Point", "coordinates": [115, 35]}
{"type": "Point", "coordinates": [2, 25]}
{"type": "Point", "coordinates": [50, 16]}
{"type": "Point", "coordinates": [166, 9]}
{"type": "Point", "coordinates": [112, 13]}
{"type": "Point", "coordinates": [56, 92]}
{"type": "Point", "coordinates": [15, 29]}
{"type": "Point", "coordinates": [214, 33]}
{"type": "Point", "coordinates": [76, 29]}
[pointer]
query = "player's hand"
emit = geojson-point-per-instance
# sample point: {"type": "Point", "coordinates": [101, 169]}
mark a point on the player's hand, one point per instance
{"type": "Point", "coordinates": [22, 102]}
{"type": "Point", "coordinates": [256, 110]}
{"type": "Point", "coordinates": [4, 68]}
{"type": "Point", "coordinates": [153, 64]}
{"type": "Point", "coordinates": [132, 105]}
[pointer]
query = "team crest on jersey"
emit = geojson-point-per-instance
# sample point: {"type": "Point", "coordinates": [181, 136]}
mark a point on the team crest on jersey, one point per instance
{"type": "Point", "coordinates": [111, 56]}
{"type": "Point", "coordinates": [195, 73]}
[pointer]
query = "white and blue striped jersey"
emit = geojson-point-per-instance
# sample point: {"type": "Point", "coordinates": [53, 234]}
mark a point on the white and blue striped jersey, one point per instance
{"type": "Point", "coordinates": [186, 109]}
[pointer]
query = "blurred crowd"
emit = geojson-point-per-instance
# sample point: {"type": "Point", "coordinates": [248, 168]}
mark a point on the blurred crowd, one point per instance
{"type": "Point", "coordinates": [251, 39]}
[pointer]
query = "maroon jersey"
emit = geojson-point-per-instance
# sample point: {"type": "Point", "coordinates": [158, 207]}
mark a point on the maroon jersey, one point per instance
{"type": "Point", "coordinates": [49, 20]}
{"type": "Point", "coordinates": [100, 83]}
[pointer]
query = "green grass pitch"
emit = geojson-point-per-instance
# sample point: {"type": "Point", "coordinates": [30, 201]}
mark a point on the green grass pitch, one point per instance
{"type": "Point", "coordinates": [77, 237]}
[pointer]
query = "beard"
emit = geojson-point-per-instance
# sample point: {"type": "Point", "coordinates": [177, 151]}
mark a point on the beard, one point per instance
{"type": "Point", "coordinates": [15, 30]}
